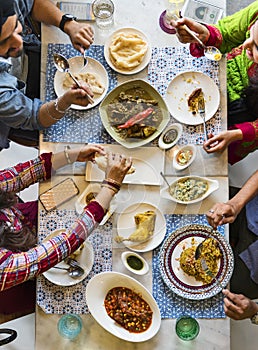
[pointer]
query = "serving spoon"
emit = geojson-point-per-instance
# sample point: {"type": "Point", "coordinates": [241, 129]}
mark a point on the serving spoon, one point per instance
{"type": "Point", "coordinates": [62, 64]}
{"type": "Point", "coordinates": [210, 52]}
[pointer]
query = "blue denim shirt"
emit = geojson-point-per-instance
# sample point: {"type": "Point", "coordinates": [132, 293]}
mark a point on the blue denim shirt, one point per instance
{"type": "Point", "coordinates": [16, 109]}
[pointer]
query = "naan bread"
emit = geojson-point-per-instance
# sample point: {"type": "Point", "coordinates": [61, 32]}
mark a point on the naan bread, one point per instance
{"type": "Point", "coordinates": [127, 50]}
{"type": "Point", "coordinates": [89, 78]}
{"type": "Point", "coordinates": [101, 162]}
{"type": "Point", "coordinates": [145, 225]}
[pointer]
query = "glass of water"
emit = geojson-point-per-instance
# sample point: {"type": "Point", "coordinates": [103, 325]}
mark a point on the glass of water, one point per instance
{"type": "Point", "coordinates": [103, 11]}
{"type": "Point", "coordinates": [69, 326]}
{"type": "Point", "coordinates": [187, 328]}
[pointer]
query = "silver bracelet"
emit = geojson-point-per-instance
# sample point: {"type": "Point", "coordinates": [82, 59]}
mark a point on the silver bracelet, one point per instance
{"type": "Point", "coordinates": [58, 109]}
{"type": "Point", "coordinates": [50, 115]}
{"type": "Point", "coordinates": [67, 154]}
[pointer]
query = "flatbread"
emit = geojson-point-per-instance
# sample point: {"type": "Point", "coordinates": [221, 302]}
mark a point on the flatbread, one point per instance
{"type": "Point", "coordinates": [101, 162]}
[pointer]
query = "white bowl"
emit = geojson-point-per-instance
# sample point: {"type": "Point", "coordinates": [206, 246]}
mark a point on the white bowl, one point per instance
{"type": "Point", "coordinates": [213, 185]}
{"type": "Point", "coordinates": [166, 144]}
{"type": "Point", "coordinates": [142, 271]}
{"type": "Point", "coordinates": [96, 291]}
{"type": "Point", "coordinates": [177, 165]}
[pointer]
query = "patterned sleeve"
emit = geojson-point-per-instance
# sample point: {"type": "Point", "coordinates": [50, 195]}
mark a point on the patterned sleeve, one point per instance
{"type": "Point", "coordinates": [22, 175]}
{"type": "Point", "coordinates": [16, 268]}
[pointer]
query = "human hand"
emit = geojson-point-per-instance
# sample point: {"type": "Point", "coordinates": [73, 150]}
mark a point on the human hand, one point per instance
{"type": "Point", "coordinates": [184, 37]}
{"type": "Point", "coordinates": [238, 307]}
{"type": "Point", "coordinates": [78, 95]}
{"type": "Point", "coordinates": [87, 152]}
{"type": "Point", "coordinates": [117, 166]}
{"type": "Point", "coordinates": [222, 213]}
{"type": "Point", "coordinates": [217, 143]}
{"type": "Point", "coordinates": [81, 35]}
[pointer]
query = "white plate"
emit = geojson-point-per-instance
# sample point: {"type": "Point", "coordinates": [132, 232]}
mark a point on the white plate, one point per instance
{"type": "Point", "coordinates": [166, 135]}
{"type": "Point", "coordinates": [145, 60]}
{"type": "Point", "coordinates": [126, 226]}
{"type": "Point", "coordinates": [178, 281]}
{"type": "Point", "coordinates": [76, 64]}
{"type": "Point", "coordinates": [96, 291]}
{"type": "Point", "coordinates": [85, 260]}
{"type": "Point", "coordinates": [161, 108]}
{"type": "Point", "coordinates": [213, 185]}
{"type": "Point", "coordinates": [180, 88]}
{"type": "Point", "coordinates": [148, 163]}
{"type": "Point", "coordinates": [177, 165]}
{"type": "Point", "coordinates": [81, 202]}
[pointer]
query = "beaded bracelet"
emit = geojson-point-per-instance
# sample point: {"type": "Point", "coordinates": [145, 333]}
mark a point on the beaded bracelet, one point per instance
{"type": "Point", "coordinates": [58, 109]}
{"type": "Point", "coordinates": [109, 187]}
{"type": "Point", "coordinates": [67, 154]}
{"type": "Point", "coordinates": [112, 184]}
{"type": "Point", "coordinates": [50, 115]}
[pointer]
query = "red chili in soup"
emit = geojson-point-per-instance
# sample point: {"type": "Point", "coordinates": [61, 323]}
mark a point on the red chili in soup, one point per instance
{"type": "Point", "coordinates": [128, 309]}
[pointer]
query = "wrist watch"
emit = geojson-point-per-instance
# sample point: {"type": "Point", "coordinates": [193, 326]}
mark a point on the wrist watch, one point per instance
{"type": "Point", "coordinates": [66, 18]}
{"type": "Point", "coordinates": [254, 319]}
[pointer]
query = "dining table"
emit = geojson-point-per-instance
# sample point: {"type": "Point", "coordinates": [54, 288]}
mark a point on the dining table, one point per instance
{"type": "Point", "coordinates": [169, 58]}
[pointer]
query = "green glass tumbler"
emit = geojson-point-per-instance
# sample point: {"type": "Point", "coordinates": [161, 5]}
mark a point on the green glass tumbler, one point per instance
{"type": "Point", "coordinates": [69, 326]}
{"type": "Point", "coordinates": [187, 327]}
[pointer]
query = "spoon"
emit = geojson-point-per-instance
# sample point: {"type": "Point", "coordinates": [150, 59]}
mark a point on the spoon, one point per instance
{"type": "Point", "coordinates": [73, 271]}
{"type": "Point", "coordinates": [210, 52]}
{"type": "Point", "coordinates": [62, 64]}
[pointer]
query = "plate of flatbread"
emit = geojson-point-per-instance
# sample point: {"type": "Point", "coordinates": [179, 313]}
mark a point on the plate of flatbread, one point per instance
{"type": "Point", "coordinates": [134, 221]}
{"type": "Point", "coordinates": [127, 51]}
{"type": "Point", "coordinates": [93, 74]}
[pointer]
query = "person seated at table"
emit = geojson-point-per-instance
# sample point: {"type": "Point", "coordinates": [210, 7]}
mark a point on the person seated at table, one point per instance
{"type": "Point", "coordinates": [241, 212]}
{"type": "Point", "coordinates": [21, 257]}
{"type": "Point", "coordinates": [21, 117]}
{"type": "Point", "coordinates": [236, 35]}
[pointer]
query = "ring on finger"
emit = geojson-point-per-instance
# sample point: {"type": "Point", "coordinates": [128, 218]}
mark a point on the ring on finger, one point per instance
{"type": "Point", "coordinates": [211, 211]}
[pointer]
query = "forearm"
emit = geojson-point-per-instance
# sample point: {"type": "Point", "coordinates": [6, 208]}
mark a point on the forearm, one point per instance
{"type": "Point", "coordinates": [47, 12]}
{"type": "Point", "coordinates": [51, 112]}
{"type": "Point", "coordinates": [15, 179]}
{"type": "Point", "coordinates": [247, 192]}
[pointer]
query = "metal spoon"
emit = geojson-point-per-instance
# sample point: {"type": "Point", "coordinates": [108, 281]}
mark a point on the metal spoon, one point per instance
{"type": "Point", "coordinates": [163, 176]}
{"type": "Point", "coordinates": [210, 52]}
{"type": "Point", "coordinates": [73, 271]}
{"type": "Point", "coordinates": [62, 64]}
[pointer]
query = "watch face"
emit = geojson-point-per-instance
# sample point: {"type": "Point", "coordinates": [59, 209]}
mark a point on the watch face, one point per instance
{"type": "Point", "coordinates": [68, 16]}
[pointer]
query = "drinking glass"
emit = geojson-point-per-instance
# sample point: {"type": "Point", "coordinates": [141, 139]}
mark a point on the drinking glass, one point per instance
{"type": "Point", "coordinates": [187, 328]}
{"type": "Point", "coordinates": [69, 326]}
{"type": "Point", "coordinates": [103, 11]}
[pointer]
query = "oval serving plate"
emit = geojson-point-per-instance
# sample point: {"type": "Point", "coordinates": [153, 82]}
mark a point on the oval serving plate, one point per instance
{"type": "Point", "coordinates": [96, 291]}
{"type": "Point", "coordinates": [126, 226]}
{"type": "Point", "coordinates": [85, 259]}
{"type": "Point", "coordinates": [132, 85]}
{"type": "Point", "coordinates": [76, 66]}
{"type": "Point", "coordinates": [146, 58]}
{"type": "Point", "coordinates": [176, 279]}
{"type": "Point", "coordinates": [183, 165]}
{"type": "Point", "coordinates": [213, 185]}
{"type": "Point", "coordinates": [181, 87]}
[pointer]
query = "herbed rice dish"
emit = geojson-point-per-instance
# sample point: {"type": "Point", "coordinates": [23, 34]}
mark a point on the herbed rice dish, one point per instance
{"type": "Point", "coordinates": [192, 267]}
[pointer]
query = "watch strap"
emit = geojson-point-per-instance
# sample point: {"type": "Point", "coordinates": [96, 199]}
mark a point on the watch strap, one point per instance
{"type": "Point", "coordinates": [66, 18]}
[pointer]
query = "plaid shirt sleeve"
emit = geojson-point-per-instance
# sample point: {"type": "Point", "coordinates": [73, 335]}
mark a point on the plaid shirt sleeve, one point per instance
{"type": "Point", "coordinates": [16, 268]}
{"type": "Point", "coordinates": [22, 175]}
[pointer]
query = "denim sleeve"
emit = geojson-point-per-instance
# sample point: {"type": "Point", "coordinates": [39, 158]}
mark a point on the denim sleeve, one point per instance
{"type": "Point", "coordinates": [16, 109]}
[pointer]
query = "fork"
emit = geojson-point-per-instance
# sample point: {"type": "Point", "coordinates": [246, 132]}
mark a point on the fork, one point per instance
{"type": "Point", "coordinates": [201, 110]}
{"type": "Point", "coordinates": [209, 273]}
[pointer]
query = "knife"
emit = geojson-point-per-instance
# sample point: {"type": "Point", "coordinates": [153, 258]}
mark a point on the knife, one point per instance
{"type": "Point", "coordinates": [201, 110]}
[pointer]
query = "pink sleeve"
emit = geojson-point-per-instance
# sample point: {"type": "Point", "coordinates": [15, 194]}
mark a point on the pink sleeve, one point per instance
{"type": "Point", "coordinates": [215, 39]}
{"type": "Point", "coordinates": [249, 130]}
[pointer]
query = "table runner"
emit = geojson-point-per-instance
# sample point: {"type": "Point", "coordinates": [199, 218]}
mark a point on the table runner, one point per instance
{"type": "Point", "coordinates": [77, 126]}
{"type": "Point", "coordinates": [170, 304]}
{"type": "Point", "coordinates": [55, 299]}
{"type": "Point", "coordinates": [165, 64]}
{"type": "Point", "coordinates": [86, 126]}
